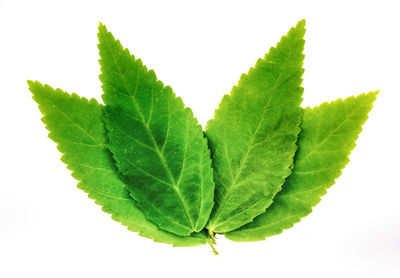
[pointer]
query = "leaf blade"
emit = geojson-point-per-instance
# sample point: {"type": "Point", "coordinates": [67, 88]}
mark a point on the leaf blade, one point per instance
{"type": "Point", "coordinates": [75, 125]}
{"type": "Point", "coordinates": [163, 155]}
{"type": "Point", "coordinates": [334, 126]}
{"type": "Point", "coordinates": [255, 128]}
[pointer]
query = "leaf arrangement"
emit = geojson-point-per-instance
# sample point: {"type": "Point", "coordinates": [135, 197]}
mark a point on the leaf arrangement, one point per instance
{"type": "Point", "coordinates": [260, 166]}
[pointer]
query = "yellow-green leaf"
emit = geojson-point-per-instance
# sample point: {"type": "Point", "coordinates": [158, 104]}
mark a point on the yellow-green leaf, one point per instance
{"type": "Point", "coordinates": [328, 135]}
{"type": "Point", "coordinates": [75, 125]}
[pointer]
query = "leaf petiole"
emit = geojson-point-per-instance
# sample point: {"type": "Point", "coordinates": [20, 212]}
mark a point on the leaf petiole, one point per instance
{"type": "Point", "coordinates": [211, 243]}
{"type": "Point", "coordinates": [212, 236]}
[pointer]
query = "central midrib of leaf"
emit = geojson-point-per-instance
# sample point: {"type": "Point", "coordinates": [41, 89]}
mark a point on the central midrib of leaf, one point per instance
{"type": "Point", "coordinates": [250, 146]}
{"type": "Point", "coordinates": [145, 123]}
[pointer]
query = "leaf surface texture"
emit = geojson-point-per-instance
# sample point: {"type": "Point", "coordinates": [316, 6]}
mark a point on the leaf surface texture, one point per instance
{"type": "Point", "coordinates": [328, 135]}
{"type": "Point", "coordinates": [157, 143]}
{"type": "Point", "coordinates": [75, 125]}
{"type": "Point", "coordinates": [253, 134]}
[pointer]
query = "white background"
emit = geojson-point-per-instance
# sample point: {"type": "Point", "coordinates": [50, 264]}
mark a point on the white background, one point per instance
{"type": "Point", "coordinates": [49, 228]}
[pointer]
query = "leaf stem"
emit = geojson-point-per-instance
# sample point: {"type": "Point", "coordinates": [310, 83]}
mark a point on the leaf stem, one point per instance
{"type": "Point", "coordinates": [210, 242]}
{"type": "Point", "coordinates": [212, 236]}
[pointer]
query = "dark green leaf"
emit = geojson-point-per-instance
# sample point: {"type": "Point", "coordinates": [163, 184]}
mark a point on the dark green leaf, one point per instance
{"type": "Point", "coordinates": [157, 143]}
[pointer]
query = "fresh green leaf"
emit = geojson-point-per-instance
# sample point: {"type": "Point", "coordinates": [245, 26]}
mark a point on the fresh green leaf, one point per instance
{"type": "Point", "coordinates": [160, 182]}
{"type": "Point", "coordinates": [157, 143]}
{"type": "Point", "coordinates": [75, 125]}
{"type": "Point", "coordinates": [253, 134]}
{"type": "Point", "coordinates": [328, 135]}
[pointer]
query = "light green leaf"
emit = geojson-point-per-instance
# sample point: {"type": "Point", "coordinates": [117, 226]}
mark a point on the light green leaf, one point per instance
{"type": "Point", "coordinates": [328, 135]}
{"type": "Point", "coordinates": [253, 134]}
{"type": "Point", "coordinates": [157, 144]}
{"type": "Point", "coordinates": [75, 125]}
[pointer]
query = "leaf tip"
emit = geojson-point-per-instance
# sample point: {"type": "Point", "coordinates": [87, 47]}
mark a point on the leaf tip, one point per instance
{"type": "Point", "coordinates": [102, 32]}
{"type": "Point", "coordinates": [33, 85]}
{"type": "Point", "coordinates": [102, 27]}
{"type": "Point", "coordinates": [375, 93]}
{"type": "Point", "coordinates": [301, 26]}
{"type": "Point", "coordinates": [371, 96]}
{"type": "Point", "coordinates": [301, 23]}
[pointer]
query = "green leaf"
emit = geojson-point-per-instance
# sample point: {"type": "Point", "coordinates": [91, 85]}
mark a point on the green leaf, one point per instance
{"type": "Point", "coordinates": [328, 135]}
{"type": "Point", "coordinates": [157, 144]}
{"type": "Point", "coordinates": [75, 125]}
{"type": "Point", "coordinates": [253, 134]}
